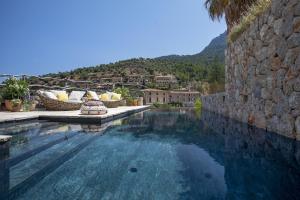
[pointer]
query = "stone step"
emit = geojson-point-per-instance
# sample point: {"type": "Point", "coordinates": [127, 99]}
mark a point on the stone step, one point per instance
{"type": "Point", "coordinates": [5, 138]}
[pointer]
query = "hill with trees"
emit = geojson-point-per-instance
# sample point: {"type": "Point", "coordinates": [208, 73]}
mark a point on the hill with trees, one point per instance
{"type": "Point", "coordinates": [190, 70]}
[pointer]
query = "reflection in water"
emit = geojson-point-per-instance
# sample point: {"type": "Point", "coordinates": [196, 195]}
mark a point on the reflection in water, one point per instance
{"type": "Point", "coordinates": [256, 164]}
{"type": "Point", "coordinates": [179, 154]}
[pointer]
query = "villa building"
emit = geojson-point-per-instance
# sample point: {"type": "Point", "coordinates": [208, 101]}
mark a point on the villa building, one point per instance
{"type": "Point", "coordinates": [113, 79]}
{"type": "Point", "coordinates": [168, 81]}
{"type": "Point", "coordinates": [135, 79]}
{"type": "Point", "coordinates": [187, 98]}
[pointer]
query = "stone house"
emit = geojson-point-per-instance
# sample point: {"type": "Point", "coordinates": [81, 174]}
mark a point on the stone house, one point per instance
{"type": "Point", "coordinates": [113, 79]}
{"type": "Point", "coordinates": [187, 98]}
{"type": "Point", "coordinates": [168, 81]}
{"type": "Point", "coordinates": [135, 79]}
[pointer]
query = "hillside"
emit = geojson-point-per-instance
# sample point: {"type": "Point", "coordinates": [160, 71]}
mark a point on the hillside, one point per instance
{"type": "Point", "coordinates": [190, 70]}
{"type": "Point", "coordinates": [215, 50]}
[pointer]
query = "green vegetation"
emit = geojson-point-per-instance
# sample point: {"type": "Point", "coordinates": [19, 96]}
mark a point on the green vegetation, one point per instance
{"type": "Point", "coordinates": [203, 72]}
{"type": "Point", "coordinates": [123, 91]}
{"type": "Point", "coordinates": [214, 51]}
{"type": "Point", "coordinates": [185, 71]}
{"type": "Point", "coordinates": [15, 89]}
{"type": "Point", "coordinates": [255, 10]}
{"type": "Point", "coordinates": [239, 14]}
{"type": "Point", "coordinates": [198, 104]}
{"type": "Point", "coordinates": [233, 10]}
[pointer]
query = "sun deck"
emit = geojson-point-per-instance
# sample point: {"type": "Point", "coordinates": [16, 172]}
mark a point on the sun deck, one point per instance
{"type": "Point", "coordinates": [71, 116]}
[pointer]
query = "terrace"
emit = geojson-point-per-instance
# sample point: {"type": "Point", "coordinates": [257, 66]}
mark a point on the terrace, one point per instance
{"type": "Point", "coordinates": [71, 116]}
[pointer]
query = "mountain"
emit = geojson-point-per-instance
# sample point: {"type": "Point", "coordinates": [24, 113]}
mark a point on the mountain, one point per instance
{"type": "Point", "coordinates": [215, 50]}
{"type": "Point", "coordinates": [190, 70]}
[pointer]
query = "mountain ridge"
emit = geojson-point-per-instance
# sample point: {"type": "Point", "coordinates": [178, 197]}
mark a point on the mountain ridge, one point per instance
{"type": "Point", "coordinates": [214, 50]}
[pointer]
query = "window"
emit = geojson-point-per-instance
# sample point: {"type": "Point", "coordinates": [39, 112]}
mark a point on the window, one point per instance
{"type": "Point", "coordinates": [149, 99]}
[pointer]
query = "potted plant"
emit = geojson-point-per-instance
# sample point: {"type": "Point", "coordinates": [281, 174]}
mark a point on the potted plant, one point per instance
{"type": "Point", "coordinates": [125, 94]}
{"type": "Point", "coordinates": [14, 92]}
{"type": "Point", "coordinates": [1, 101]}
{"type": "Point", "coordinates": [29, 104]}
{"type": "Point", "coordinates": [130, 101]}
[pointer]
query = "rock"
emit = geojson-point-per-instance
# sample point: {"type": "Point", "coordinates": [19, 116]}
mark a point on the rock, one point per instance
{"type": "Point", "coordinates": [296, 24]}
{"type": "Point", "coordinates": [296, 85]}
{"type": "Point", "coordinates": [280, 74]}
{"type": "Point", "coordinates": [270, 81]}
{"type": "Point", "coordinates": [297, 10]}
{"type": "Point", "coordinates": [265, 93]}
{"type": "Point", "coordinates": [262, 54]}
{"type": "Point", "coordinates": [263, 31]}
{"type": "Point", "coordinates": [281, 47]}
{"type": "Point", "coordinates": [288, 87]}
{"type": "Point", "coordinates": [286, 126]}
{"type": "Point", "coordinates": [297, 126]}
{"type": "Point", "coordinates": [261, 69]}
{"type": "Point", "coordinates": [260, 120]}
{"type": "Point", "coordinates": [277, 26]}
{"type": "Point", "coordinates": [5, 138]}
{"type": "Point", "coordinates": [295, 113]}
{"type": "Point", "coordinates": [282, 107]}
{"type": "Point", "coordinates": [270, 20]}
{"type": "Point", "coordinates": [276, 63]}
{"type": "Point", "coordinates": [277, 95]}
{"type": "Point", "coordinates": [297, 62]}
{"type": "Point", "coordinates": [291, 56]}
{"type": "Point", "coordinates": [272, 124]}
{"type": "Point", "coordinates": [276, 8]}
{"type": "Point", "coordinates": [294, 100]}
{"type": "Point", "coordinates": [294, 40]}
{"type": "Point", "coordinates": [269, 106]}
{"type": "Point", "coordinates": [287, 26]}
{"type": "Point", "coordinates": [251, 119]}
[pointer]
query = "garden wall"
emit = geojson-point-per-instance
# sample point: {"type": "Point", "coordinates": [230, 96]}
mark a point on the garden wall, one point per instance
{"type": "Point", "coordinates": [262, 73]}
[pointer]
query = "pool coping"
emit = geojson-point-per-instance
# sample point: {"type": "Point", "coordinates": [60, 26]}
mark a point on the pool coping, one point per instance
{"type": "Point", "coordinates": [72, 116]}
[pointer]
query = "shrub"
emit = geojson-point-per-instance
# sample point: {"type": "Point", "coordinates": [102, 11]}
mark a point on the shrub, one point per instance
{"type": "Point", "coordinates": [198, 103]}
{"type": "Point", "coordinates": [254, 11]}
{"type": "Point", "coordinates": [15, 89]}
{"type": "Point", "coordinates": [123, 91]}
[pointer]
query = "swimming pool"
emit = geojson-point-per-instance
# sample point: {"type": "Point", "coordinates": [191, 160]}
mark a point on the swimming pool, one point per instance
{"type": "Point", "coordinates": [156, 154]}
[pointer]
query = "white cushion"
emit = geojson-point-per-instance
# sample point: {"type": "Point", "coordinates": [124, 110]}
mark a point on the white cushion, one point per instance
{"type": "Point", "coordinates": [93, 95]}
{"type": "Point", "coordinates": [50, 95]}
{"type": "Point", "coordinates": [76, 95]}
{"type": "Point", "coordinates": [74, 101]}
{"type": "Point", "coordinates": [56, 92]}
{"type": "Point", "coordinates": [109, 94]}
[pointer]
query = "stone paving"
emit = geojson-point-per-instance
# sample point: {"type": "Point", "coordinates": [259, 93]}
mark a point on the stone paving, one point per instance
{"type": "Point", "coordinates": [70, 115]}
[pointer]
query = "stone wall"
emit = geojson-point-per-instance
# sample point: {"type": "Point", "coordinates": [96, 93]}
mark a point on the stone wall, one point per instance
{"type": "Point", "coordinates": [262, 73]}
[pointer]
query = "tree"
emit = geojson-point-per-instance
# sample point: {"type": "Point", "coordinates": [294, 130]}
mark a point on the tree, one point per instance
{"type": "Point", "coordinates": [232, 9]}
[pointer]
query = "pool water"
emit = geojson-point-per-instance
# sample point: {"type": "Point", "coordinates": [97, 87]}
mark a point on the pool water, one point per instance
{"type": "Point", "coordinates": [156, 154]}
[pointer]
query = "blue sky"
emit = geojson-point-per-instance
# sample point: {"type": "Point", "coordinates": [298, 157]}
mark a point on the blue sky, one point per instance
{"type": "Point", "coordinates": [42, 36]}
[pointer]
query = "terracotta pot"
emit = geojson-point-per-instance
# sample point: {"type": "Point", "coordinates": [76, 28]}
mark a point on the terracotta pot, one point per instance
{"type": "Point", "coordinates": [13, 106]}
{"type": "Point", "coordinates": [32, 107]}
{"type": "Point", "coordinates": [135, 102]}
{"type": "Point", "coordinates": [140, 101]}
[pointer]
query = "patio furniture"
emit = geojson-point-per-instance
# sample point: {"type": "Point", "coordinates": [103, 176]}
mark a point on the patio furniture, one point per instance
{"type": "Point", "coordinates": [93, 108]}
{"type": "Point", "coordinates": [112, 100]}
{"type": "Point", "coordinates": [114, 103]}
{"type": "Point", "coordinates": [53, 104]}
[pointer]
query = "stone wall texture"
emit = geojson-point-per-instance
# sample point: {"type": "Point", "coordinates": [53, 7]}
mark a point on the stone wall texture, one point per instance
{"type": "Point", "coordinates": [262, 73]}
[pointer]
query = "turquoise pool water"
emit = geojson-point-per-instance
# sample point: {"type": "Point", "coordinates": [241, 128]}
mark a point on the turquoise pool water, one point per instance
{"type": "Point", "coordinates": [179, 154]}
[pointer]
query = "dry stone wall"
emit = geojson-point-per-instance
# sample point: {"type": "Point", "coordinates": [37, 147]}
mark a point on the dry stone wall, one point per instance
{"type": "Point", "coordinates": [262, 73]}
